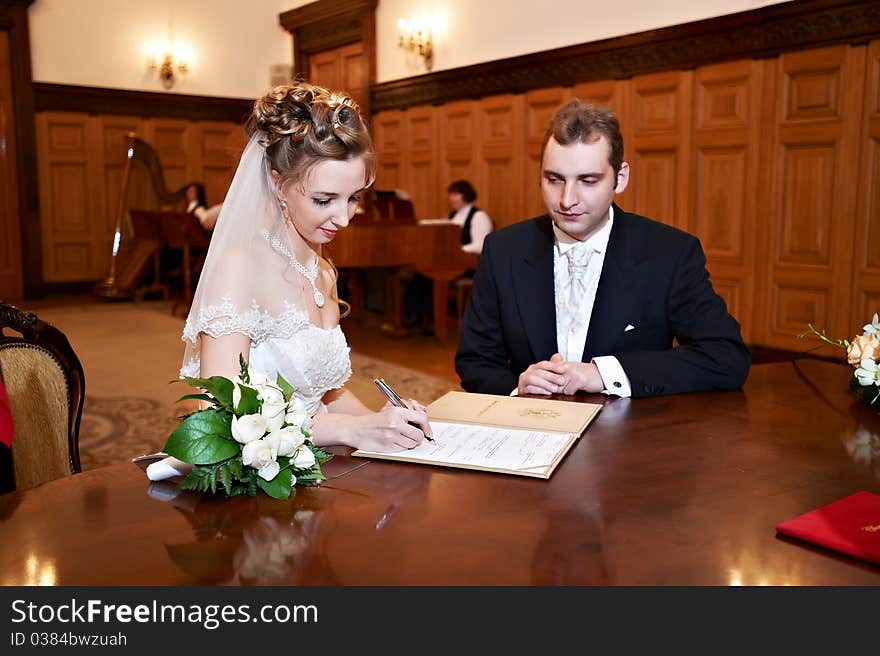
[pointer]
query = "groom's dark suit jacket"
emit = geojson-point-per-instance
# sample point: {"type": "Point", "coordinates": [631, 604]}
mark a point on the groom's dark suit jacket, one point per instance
{"type": "Point", "coordinates": [654, 279]}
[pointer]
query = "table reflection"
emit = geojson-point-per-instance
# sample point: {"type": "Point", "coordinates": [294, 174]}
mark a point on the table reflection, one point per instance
{"type": "Point", "coordinates": [272, 545]}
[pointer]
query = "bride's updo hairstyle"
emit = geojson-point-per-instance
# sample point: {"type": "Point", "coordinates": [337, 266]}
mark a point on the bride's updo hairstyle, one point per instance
{"type": "Point", "coordinates": [305, 124]}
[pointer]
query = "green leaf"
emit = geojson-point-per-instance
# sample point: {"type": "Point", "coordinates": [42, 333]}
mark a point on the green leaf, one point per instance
{"type": "Point", "coordinates": [199, 479]}
{"type": "Point", "coordinates": [201, 439]}
{"type": "Point", "coordinates": [234, 466]}
{"type": "Point", "coordinates": [278, 487]}
{"type": "Point", "coordinates": [321, 456]}
{"type": "Point", "coordinates": [286, 388]}
{"type": "Point", "coordinates": [225, 478]}
{"type": "Point", "coordinates": [198, 397]}
{"type": "Point", "coordinates": [217, 386]}
{"type": "Point", "coordinates": [242, 365]}
{"type": "Point", "coordinates": [249, 404]}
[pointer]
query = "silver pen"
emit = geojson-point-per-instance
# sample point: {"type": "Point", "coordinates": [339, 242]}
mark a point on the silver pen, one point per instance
{"type": "Point", "coordinates": [395, 399]}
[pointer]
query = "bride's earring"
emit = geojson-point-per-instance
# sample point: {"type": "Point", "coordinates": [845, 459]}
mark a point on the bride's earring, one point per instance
{"type": "Point", "coordinates": [284, 213]}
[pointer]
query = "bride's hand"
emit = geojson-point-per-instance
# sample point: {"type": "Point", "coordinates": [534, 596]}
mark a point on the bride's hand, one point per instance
{"type": "Point", "coordinates": [393, 428]}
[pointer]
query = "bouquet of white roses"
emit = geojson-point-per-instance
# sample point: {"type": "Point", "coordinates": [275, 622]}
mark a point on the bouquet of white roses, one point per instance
{"type": "Point", "coordinates": [254, 436]}
{"type": "Point", "coordinates": [863, 353]}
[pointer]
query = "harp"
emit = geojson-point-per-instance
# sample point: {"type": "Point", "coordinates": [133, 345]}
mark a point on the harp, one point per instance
{"type": "Point", "coordinates": [128, 266]}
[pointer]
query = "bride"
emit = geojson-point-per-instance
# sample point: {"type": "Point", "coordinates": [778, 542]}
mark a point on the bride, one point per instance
{"type": "Point", "coordinates": [265, 291]}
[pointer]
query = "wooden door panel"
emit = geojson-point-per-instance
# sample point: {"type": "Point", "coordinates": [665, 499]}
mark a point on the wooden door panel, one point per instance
{"type": "Point", "coordinates": [807, 199]}
{"type": "Point", "coordinates": [67, 209]}
{"type": "Point", "coordinates": [866, 264]}
{"type": "Point", "coordinates": [421, 168]}
{"type": "Point", "coordinates": [655, 179]}
{"type": "Point", "coordinates": [720, 189]}
{"type": "Point", "coordinates": [499, 184]}
{"type": "Point", "coordinates": [660, 111]}
{"type": "Point", "coordinates": [457, 148]}
{"type": "Point", "coordinates": [324, 69]}
{"type": "Point", "coordinates": [815, 135]}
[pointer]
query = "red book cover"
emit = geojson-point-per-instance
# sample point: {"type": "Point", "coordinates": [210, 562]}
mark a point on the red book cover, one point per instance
{"type": "Point", "coordinates": [5, 417]}
{"type": "Point", "coordinates": [851, 526]}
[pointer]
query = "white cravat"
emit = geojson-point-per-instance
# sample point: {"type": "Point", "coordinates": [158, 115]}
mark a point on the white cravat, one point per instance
{"type": "Point", "coordinates": [577, 267]}
{"type": "Point", "coordinates": [576, 285]}
{"type": "Point", "coordinates": [577, 282]}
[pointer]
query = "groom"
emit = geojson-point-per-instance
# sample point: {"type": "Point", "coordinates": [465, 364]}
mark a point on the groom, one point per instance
{"type": "Point", "coordinates": [592, 298]}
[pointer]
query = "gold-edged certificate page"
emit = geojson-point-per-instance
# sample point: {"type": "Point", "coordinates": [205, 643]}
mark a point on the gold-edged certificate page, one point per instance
{"type": "Point", "coordinates": [502, 434]}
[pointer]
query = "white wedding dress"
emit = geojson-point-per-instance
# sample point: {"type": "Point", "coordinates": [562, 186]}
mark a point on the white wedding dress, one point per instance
{"type": "Point", "coordinates": [312, 359]}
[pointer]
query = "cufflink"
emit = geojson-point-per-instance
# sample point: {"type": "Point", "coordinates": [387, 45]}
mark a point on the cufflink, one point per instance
{"type": "Point", "coordinates": [617, 383]}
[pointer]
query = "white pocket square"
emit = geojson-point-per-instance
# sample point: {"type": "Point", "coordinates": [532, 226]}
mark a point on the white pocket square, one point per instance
{"type": "Point", "coordinates": [629, 327]}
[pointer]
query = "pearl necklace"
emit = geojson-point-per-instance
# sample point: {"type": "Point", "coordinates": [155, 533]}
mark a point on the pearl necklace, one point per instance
{"type": "Point", "coordinates": [309, 274]}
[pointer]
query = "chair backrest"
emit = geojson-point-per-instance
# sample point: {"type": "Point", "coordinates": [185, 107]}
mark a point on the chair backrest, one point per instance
{"type": "Point", "coordinates": [46, 386]}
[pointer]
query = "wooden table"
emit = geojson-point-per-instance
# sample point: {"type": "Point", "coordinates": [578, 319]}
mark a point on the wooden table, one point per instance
{"type": "Point", "coordinates": [679, 490]}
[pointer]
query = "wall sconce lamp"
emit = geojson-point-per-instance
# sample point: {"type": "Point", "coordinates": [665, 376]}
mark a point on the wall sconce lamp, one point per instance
{"type": "Point", "coordinates": [415, 36]}
{"type": "Point", "coordinates": [169, 60]}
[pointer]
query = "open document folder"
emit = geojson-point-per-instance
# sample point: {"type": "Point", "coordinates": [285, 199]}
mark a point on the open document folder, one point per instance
{"type": "Point", "coordinates": [503, 434]}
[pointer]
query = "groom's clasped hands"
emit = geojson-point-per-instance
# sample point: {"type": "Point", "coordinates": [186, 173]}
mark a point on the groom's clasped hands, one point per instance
{"type": "Point", "coordinates": [556, 376]}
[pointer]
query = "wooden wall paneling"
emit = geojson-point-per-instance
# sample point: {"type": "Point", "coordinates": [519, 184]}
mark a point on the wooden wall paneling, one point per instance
{"type": "Point", "coordinates": [11, 278]}
{"type": "Point", "coordinates": [660, 152]}
{"type": "Point", "coordinates": [388, 139]}
{"type": "Point", "coordinates": [500, 179]}
{"type": "Point", "coordinates": [616, 95]}
{"type": "Point", "coordinates": [420, 173]}
{"type": "Point", "coordinates": [324, 69]}
{"type": "Point", "coordinates": [457, 147]}
{"type": "Point", "coordinates": [765, 199]}
{"type": "Point", "coordinates": [67, 196]}
{"type": "Point", "coordinates": [220, 145]}
{"type": "Point", "coordinates": [866, 263]}
{"type": "Point", "coordinates": [540, 106]}
{"type": "Point", "coordinates": [353, 69]}
{"type": "Point", "coordinates": [726, 157]}
{"type": "Point", "coordinates": [172, 139]}
{"type": "Point", "coordinates": [812, 173]}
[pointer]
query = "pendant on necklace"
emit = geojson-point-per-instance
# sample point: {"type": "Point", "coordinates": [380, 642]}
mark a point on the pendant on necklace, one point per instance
{"type": "Point", "coordinates": [319, 298]}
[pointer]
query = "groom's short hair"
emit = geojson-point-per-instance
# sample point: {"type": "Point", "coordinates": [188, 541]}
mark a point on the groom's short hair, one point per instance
{"type": "Point", "coordinates": [579, 121]}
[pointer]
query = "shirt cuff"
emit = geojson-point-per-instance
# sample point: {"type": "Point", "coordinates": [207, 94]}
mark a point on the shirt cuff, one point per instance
{"type": "Point", "coordinates": [613, 376]}
{"type": "Point", "coordinates": [515, 392]}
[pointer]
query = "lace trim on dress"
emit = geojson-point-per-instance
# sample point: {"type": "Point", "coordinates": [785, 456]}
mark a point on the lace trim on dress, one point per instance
{"type": "Point", "coordinates": [224, 319]}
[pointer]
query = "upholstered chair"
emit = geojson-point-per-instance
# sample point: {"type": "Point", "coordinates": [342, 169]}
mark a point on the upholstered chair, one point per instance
{"type": "Point", "coordinates": [46, 388]}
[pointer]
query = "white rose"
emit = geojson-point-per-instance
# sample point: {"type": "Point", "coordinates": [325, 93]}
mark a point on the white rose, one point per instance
{"type": "Point", "coordinates": [296, 413]}
{"type": "Point", "coordinates": [287, 440]}
{"type": "Point", "coordinates": [259, 377]}
{"type": "Point", "coordinates": [296, 405]}
{"type": "Point", "coordinates": [269, 394]}
{"type": "Point", "coordinates": [248, 428]}
{"type": "Point", "coordinates": [301, 421]}
{"type": "Point", "coordinates": [868, 373]}
{"type": "Point", "coordinates": [261, 455]}
{"type": "Point", "coordinates": [273, 413]}
{"type": "Point", "coordinates": [303, 458]}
